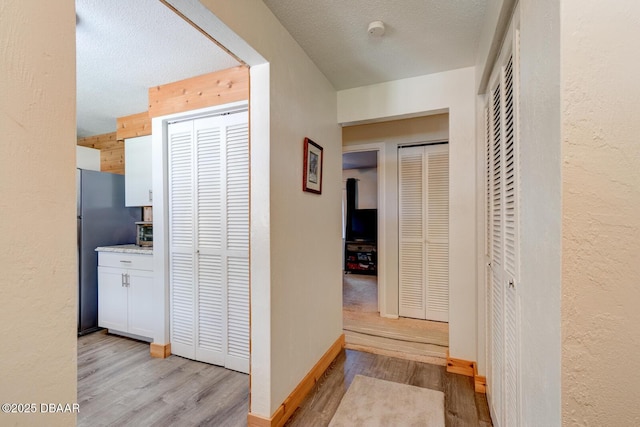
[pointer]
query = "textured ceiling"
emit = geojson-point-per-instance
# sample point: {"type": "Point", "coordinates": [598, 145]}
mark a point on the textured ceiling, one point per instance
{"type": "Point", "coordinates": [126, 47]}
{"type": "Point", "coordinates": [422, 36]}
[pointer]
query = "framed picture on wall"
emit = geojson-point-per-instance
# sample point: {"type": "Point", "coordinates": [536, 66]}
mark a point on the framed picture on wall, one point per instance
{"type": "Point", "coordinates": [312, 175]}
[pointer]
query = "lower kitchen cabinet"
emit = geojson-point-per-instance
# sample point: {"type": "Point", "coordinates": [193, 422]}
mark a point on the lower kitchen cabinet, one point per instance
{"type": "Point", "coordinates": [125, 294]}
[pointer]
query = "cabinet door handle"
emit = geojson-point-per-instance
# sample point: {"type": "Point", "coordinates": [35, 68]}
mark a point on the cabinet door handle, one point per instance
{"type": "Point", "coordinates": [123, 279]}
{"type": "Point", "coordinates": [125, 261]}
{"type": "Point", "coordinates": [151, 195]}
{"type": "Point", "coordinates": [128, 279]}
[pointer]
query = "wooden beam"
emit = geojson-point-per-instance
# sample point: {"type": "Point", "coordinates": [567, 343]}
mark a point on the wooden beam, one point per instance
{"type": "Point", "coordinates": [221, 87]}
{"type": "Point", "coordinates": [133, 125]}
{"type": "Point", "coordinates": [104, 141]}
{"type": "Point", "coordinates": [291, 403]}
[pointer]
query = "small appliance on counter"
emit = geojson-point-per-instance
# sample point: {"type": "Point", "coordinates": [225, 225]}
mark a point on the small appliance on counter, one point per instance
{"type": "Point", "coordinates": [144, 233]}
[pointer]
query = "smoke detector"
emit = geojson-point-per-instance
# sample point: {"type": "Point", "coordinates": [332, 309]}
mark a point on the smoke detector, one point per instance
{"type": "Point", "coordinates": [376, 28]}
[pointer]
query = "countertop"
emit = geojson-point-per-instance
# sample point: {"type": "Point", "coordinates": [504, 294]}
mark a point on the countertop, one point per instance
{"type": "Point", "coordinates": [127, 249]}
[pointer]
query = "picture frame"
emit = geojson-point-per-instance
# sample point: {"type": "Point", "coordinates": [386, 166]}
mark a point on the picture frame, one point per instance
{"type": "Point", "coordinates": [312, 167]}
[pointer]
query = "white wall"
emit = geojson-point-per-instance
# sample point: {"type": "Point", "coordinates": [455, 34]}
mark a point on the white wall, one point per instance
{"type": "Point", "coordinates": [600, 213]}
{"type": "Point", "coordinates": [451, 91]}
{"type": "Point", "coordinates": [297, 297]}
{"type": "Point", "coordinates": [367, 194]}
{"type": "Point", "coordinates": [540, 203]}
{"type": "Point", "coordinates": [38, 313]}
{"type": "Point", "coordinates": [87, 158]}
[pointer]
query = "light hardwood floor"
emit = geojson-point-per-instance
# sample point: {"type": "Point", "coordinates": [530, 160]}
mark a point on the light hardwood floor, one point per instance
{"type": "Point", "coordinates": [119, 384]}
{"type": "Point", "coordinates": [364, 329]}
{"type": "Point", "coordinates": [463, 406]}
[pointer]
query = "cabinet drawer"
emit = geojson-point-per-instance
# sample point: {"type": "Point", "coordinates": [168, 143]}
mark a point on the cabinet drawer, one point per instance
{"type": "Point", "coordinates": [124, 260]}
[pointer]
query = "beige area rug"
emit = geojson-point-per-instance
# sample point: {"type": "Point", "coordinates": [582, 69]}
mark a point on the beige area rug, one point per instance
{"type": "Point", "coordinates": [372, 402]}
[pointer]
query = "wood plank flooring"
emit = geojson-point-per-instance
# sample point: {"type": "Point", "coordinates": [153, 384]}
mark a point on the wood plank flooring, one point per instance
{"type": "Point", "coordinates": [119, 384]}
{"type": "Point", "coordinates": [364, 329]}
{"type": "Point", "coordinates": [463, 406]}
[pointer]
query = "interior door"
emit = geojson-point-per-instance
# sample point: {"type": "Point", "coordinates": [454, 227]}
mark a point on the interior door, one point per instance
{"type": "Point", "coordinates": [209, 215]}
{"type": "Point", "coordinates": [181, 239]}
{"type": "Point", "coordinates": [424, 232]}
{"type": "Point", "coordinates": [502, 243]}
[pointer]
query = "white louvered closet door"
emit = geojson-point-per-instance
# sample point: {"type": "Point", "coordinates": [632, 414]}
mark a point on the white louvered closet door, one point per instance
{"type": "Point", "coordinates": [502, 245]}
{"type": "Point", "coordinates": [181, 239]}
{"type": "Point", "coordinates": [237, 241]}
{"type": "Point", "coordinates": [220, 240]}
{"type": "Point", "coordinates": [424, 232]}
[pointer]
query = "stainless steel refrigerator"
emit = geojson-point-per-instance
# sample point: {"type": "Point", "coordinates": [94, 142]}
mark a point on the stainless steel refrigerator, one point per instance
{"type": "Point", "coordinates": [103, 220]}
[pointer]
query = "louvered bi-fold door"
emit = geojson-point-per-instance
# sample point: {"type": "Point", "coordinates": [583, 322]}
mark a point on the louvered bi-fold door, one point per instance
{"type": "Point", "coordinates": [181, 239]}
{"type": "Point", "coordinates": [424, 232]}
{"type": "Point", "coordinates": [217, 298]}
{"type": "Point", "coordinates": [502, 247]}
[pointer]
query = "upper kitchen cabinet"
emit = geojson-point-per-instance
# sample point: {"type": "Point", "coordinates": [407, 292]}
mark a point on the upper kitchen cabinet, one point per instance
{"type": "Point", "coordinates": [138, 180]}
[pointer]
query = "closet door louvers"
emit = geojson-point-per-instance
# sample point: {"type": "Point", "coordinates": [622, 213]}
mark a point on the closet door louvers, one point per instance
{"type": "Point", "coordinates": [210, 284]}
{"type": "Point", "coordinates": [502, 245]}
{"type": "Point", "coordinates": [424, 232]}
{"type": "Point", "coordinates": [412, 240]}
{"type": "Point", "coordinates": [497, 301]}
{"type": "Point", "coordinates": [511, 320]}
{"type": "Point", "coordinates": [212, 218]}
{"type": "Point", "coordinates": [181, 258]}
{"type": "Point", "coordinates": [437, 305]}
{"type": "Point", "coordinates": [237, 221]}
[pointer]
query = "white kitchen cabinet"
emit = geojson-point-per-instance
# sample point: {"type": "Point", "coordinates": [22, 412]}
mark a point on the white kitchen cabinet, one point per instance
{"type": "Point", "coordinates": [112, 299]}
{"type": "Point", "coordinates": [125, 293]}
{"type": "Point", "coordinates": [137, 171]}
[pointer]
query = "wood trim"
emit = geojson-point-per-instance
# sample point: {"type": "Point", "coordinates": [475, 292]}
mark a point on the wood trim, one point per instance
{"type": "Point", "coordinates": [480, 384]}
{"type": "Point", "coordinates": [133, 125]}
{"type": "Point", "coordinates": [460, 366]}
{"type": "Point", "coordinates": [293, 401]}
{"type": "Point", "coordinates": [469, 369]}
{"type": "Point", "coordinates": [105, 141]}
{"type": "Point", "coordinates": [161, 351]}
{"type": "Point", "coordinates": [218, 88]}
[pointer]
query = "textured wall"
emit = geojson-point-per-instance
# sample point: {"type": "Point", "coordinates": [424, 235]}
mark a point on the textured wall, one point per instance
{"type": "Point", "coordinates": [299, 316]}
{"type": "Point", "coordinates": [37, 208]}
{"type": "Point", "coordinates": [601, 214]}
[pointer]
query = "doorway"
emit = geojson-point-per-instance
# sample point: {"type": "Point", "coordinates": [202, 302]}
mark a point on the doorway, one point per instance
{"type": "Point", "coordinates": [360, 230]}
{"type": "Point", "coordinates": [366, 325]}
